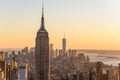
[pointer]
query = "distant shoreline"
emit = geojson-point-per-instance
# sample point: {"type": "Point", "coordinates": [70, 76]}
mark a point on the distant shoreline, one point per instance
{"type": "Point", "coordinates": [10, 49]}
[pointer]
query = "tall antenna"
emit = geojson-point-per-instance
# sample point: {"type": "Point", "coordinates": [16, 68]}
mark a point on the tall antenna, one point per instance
{"type": "Point", "coordinates": [42, 9]}
{"type": "Point", "coordinates": [64, 35]}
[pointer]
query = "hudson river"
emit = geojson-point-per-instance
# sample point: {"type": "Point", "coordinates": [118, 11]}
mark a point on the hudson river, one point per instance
{"type": "Point", "coordinates": [105, 58]}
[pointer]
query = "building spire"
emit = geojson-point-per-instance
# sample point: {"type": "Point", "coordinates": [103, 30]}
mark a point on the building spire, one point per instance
{"type": "Point", "coordinates": [64, 35]}
{"type": "Point", "coordinates": [42, 10]}
{"type": "Point", "coordinates": [42, 28]}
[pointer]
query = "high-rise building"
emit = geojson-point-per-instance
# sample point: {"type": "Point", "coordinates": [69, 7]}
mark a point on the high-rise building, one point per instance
{"type": "Point", "coordinates": [92, 74]}
{"type": "Point", "coordinates": [8, 72]}
{"type": "Point", "coordinates": [64, 44]}
{"type": "Point", "coordinates": [99, 71]}
{"type": "Point", "coordinates": [105, 75]}
{"type": "Point", "coordinates": [119, 70]}
{"type": "Point", "coordinates": [14, 73]}
{"type": "Point", "coordinates": [81, 76]}
{"type": "Point", "coordinates": [42, 52]}
{"type": "Point", "coordinates": [56, 53]}
{"type": "Point", "coordinates": [51, 51]}
{"type": "Point", "coordinates": [2, 67]}
{"type": "Point", "coordinates": [22, 71]}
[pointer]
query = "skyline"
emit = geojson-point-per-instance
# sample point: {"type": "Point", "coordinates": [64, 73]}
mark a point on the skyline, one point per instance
{"type": "Point", "coordinates": [99, 29]}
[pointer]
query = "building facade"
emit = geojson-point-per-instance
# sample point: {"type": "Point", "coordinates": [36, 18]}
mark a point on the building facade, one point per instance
{"type": "Point", "coordinates": [42, 53]}
{"type": "Point", "coordinates": [22, 71]}
{"type": "Point", "coordinates": [99, 71]}
{"type": "Point", "coordinates": [64, 45]}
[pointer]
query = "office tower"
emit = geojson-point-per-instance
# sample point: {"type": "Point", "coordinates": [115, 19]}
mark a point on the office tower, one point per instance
{"type": "Point", "coordinates": [2, 68]}
{"type": "Point", "coordinates": [92, 74]}
{"type": "Point", "coordinates": [75, 77]}
{"type": "Point", "coordinates": [22, 73]}
{"type": "Point", "coordinates": [56, 53]}
{"type": "Point", "coordinates": [119, 70]}
{"type": "Point", "coordinates": [42, 52]}
{"type": "Point", "coordinates": [30, 73]}
{"type": "Point", "coordinates": [81, 76]}
{"type": "Point", "coordinates": [51, 51]}
{"type": "Point", "coordinates": [60, 52]}
{"type": "Point", "coordinates": [1, 56]}
{"type": "Point", "coordinates": [105, 75]}
{"type": "Point", "coordinates": [8, 72]}
{"type": "Point", "coordinates": [72, 53]}
{"type": "Point", "coordinates": [14, 63]}
{"type": "Point", "coordinates": [14, 72]}
{"type": "Point", "coordinates": [64, 45]}
{"type": "Point", "coordinates": [99, 71]}
{"type": "Point", "coordinates": [25, 50]}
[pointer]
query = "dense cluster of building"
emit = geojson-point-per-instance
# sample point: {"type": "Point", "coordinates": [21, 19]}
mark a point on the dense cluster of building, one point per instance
{"type": "Point", "coordinates": [16, 65]}
{"type": "Point", "coordinates": [77, 66]}
{"type": "Point", "coordinates": [71, 65]}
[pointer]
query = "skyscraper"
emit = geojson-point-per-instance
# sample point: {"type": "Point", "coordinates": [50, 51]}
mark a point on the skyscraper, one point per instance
{"type": "Point", "coordinates": [64, 44]}
{"type": "Point", "coordinates": [42, 52]}
{"type": "Point", "coordinates": [99, 71]}
{"type": "Point", "coordinates": [2, 67]}
{"type": "Point", "coordinates": [119, 70]}
{"type": "Point", "coordinates": [51, 51]}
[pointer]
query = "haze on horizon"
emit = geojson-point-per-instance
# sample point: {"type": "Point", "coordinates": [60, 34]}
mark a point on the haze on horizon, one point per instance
{"type": "Point", "coordinates": [88, 24]}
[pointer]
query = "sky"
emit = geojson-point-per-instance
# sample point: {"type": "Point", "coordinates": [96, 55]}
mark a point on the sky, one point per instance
{"type": "Point", "coordinates": [87, 24]}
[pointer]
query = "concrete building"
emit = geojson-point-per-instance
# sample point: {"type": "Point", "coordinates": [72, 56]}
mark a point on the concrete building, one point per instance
{"type": "Point", "coordinates": [22, 73]}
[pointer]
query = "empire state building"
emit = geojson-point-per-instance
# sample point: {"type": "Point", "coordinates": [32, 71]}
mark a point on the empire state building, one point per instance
{"type": "Point", "coordinates": [42, 52]}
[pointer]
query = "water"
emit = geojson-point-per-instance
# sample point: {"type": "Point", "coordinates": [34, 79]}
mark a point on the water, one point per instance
{"type": "Point", "coordinates": [108, 59]}
{"type": "Point", "coordinates": [10, 49]}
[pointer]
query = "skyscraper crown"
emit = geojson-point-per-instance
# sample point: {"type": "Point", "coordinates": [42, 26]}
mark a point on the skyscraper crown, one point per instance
{"type": "Point", "coordinates": [42, 28]}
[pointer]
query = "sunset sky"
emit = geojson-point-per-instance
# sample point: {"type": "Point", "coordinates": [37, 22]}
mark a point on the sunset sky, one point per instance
{"type": "Point", "coordinates": [87, 24]}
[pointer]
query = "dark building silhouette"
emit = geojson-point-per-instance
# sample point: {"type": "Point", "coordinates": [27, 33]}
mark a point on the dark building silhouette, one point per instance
{"type": "Point", "coordinates": [2, 67]}
{"type": "Point", "coordinates": [74, 77]}
{"type": "Point", "coordinates": [42, 52]}
{"type": "Point", "coordinates": [99, 71]}
{"type": "Point", "coordinates": [119, 70]}
{"type": "Point", "coordinates": [81, 76]}
{"type": "Point", "coordinates": [105, 75]}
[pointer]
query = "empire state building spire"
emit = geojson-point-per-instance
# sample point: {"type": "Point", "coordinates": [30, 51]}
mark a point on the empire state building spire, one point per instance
{"type": "Point", "coordinates": [42, 52]}
{"type": "Point", "coordinates": [42, 28]}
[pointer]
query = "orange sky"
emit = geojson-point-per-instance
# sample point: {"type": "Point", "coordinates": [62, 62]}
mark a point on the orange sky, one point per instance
{"type": "Point", "coordinates": [87, 24]}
